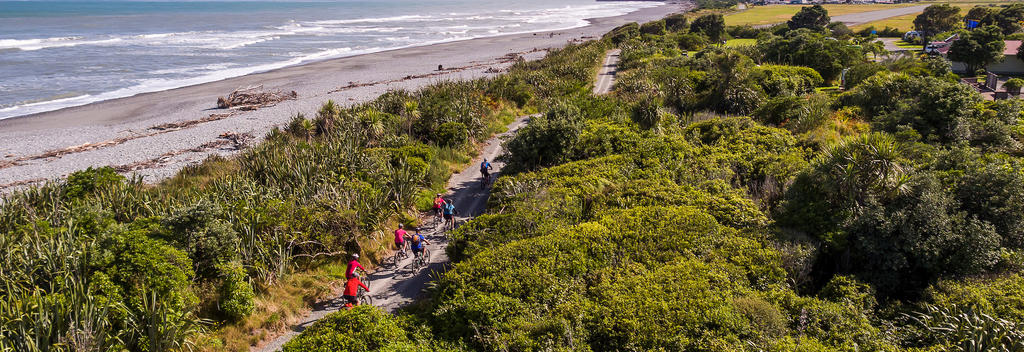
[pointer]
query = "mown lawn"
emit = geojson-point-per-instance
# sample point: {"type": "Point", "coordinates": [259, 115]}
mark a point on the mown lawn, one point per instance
{"type": "Point", "coordinates": [782, 13]}
{"type": "Point", "coordinates": [740, 42]}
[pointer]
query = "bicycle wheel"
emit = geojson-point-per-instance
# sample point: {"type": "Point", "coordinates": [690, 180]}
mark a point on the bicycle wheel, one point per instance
{"type": "Point", "coordinates": [424, 257]}
{"type": "Point", "coordinates": [366, 299]}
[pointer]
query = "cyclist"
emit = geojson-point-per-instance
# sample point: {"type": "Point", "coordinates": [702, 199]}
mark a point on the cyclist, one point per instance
{"type": "Point", "coordinates": [438, 204]}
{"type": "Point", "coordinates": [352, 265]}
{"type": "Point", "coordinates": [449, 213]}
{"type": "Point", "coordinates": [418, 243]}
{"type": "Point", "coordinates": [400, 238]}
{"type": "Point", "coordinates": [485, 168]}
{"type": "Point", "coordinates": [351, 293]}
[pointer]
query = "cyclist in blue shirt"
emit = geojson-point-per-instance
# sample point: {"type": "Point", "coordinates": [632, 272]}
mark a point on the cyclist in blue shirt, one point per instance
{"type": "Point", "coordinates": [485, 168]}
{"type": "Point", "coordinates": [418, 243]}
{"type": "Point", "coordinates": [449, 212]}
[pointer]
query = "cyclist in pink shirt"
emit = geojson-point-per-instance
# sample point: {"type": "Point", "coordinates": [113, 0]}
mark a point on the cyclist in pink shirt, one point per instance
{"type": "Point", "coordinates": [400, 238]}
{"type": "Point", "coordinates": [352, 265]}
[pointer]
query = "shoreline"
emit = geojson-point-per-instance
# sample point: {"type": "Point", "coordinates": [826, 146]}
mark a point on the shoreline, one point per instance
{"type": "Point", "coordinates": [257, 70]}
{"type": "Point", "coordinates": [131, 134]}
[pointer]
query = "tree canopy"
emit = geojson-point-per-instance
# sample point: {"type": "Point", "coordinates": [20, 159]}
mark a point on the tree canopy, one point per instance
{"type": "Point", "coordinates": [712, 25]}
{"type": "Point", "coordinates": [937, 19]}
{"type": "Point", "coordinates": [978, 48]}
{"type": "Point", "coordinates": [811, 17]}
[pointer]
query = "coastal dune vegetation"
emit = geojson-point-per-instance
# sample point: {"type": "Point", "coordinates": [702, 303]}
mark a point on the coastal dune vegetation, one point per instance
{"type": "Point", "coordinates": [721, 198]}
{"type": "Point", "coordinates": [735, 198]}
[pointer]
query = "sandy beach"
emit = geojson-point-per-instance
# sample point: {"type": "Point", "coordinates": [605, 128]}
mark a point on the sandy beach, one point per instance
{"type": "Point", "coordinates": [156, 134]}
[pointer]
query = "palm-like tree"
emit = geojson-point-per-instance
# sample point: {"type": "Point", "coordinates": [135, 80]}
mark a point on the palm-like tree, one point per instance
{"type": "Point", "coordinates": [863, 167]}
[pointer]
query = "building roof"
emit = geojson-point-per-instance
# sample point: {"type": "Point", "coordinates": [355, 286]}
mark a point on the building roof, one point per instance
{"type": "Point", "coordinates": [1011, 47]}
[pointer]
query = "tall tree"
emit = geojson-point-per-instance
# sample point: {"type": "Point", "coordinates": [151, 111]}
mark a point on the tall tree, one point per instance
{"type": "Point", "coordinates": [937, 19]}
{"type": "Point", "coordinates": [813, 17]}
{"type": "Point", "coordinates": [712, 25]}
{"type": "Point", "coordinates": [1009, 18]}
{"type": "Point", "coordinates": [983, 14]}
{"type": "Point", "coordinates": [978, 48]}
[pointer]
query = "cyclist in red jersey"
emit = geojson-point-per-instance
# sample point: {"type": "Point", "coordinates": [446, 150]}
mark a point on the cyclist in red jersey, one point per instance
{"type": "Point", "coordinates": [352, 290]}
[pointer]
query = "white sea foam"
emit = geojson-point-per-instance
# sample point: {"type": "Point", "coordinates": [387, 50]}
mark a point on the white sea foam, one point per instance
{"type": "Point", "coordinates": [159, 84]}
{"type": "Point", "coordinates": [404, 18]}
{"type": "Point", "coordinates": [44, 43]}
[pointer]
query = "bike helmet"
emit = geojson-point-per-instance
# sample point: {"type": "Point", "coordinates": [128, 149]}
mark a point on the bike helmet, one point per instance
{"type": "Point", "coordinates": [401, 225]}
{"type": "Point", "coordinates": [355, 255]}
{"type": "Point", "coordinates": [355, 274]}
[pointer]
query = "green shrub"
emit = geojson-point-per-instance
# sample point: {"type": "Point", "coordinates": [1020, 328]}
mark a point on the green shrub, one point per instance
{"type": "Point", "coordinates": [623, 33]}
{"type": "Point", "coordinates": [209, 241]}
{"type": "Point", "coordinates": [779, 80]}
{"type": "Point", "coordinates": [653, 28]}
{"type": "Point", "coordinates": [938, 110]}
{"type": "Point", "coordinates": [804, 47]}
{"type": "Point", "coordinates": [545, 140]}
{"type": "Point", "coordinates": [451, 134]}
{"type": "Point", "coordinates": [692, 41]}
{"type": "Point", "coordinates": [676, 22]}
{"type": "Point", "coordinates": [510, 89]}
{"type": "Point", "coordinates": [88, 181]}
{"type": "Point", "coordinates": [236, 294]}
{"type": "Point", "coordinates": [845, 289]}
{"type": "Point", "coordinates": [646, 113]}
{"type": "Point", "coordinates": [1001, 297]}
{"type": "Point", "coordinates": [363, 328]}
{"type": "Point", "coordinates": [1014, 85]}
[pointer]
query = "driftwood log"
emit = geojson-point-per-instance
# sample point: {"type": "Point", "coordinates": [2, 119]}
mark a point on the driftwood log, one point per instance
{"type": "Point", "coordinates": [252, 98]}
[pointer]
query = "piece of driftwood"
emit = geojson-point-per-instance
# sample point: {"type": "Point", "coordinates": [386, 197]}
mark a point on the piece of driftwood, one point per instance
{"type": "Point", "coordinates": [251, 98]}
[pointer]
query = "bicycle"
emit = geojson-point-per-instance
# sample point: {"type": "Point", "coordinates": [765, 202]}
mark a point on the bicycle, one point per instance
{"type": "Point", "coordinates": [449, 225]}
{"type": "Point", "coordinates": [399, 256]}
{"type": "Point", "coordinates": [422, 259]}
{"type": "Point", "coordinates": [485, 181]}
{"type": "Point", "coordinates": [438, 217]}
{"type": "Point", "coordinates": [364, 297]}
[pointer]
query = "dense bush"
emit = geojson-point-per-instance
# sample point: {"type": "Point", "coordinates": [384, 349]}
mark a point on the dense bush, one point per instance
{"type": "Point", "coordinates": [364, 328]}
{"type": "Point", "coordinates": [710, 25]}
{"type": "Point", "coordinates": [676, 22]}
{"type": "Point", "coordinates": [653, 28]}
{"type": "Point", "coordinates": [623, 33]}
{"type": "Point", "coordinates": [804, 47]}
{"type": "Point", "coordinates": [938, 110]}
{"type": "Point", "coordinates": [545, 141]}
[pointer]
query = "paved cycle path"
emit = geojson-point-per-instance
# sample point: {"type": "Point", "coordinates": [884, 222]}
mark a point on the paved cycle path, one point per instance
{"type": "Point", "coordinates": [606, 76]}
{"type": "Point", "coordinates": [392, 288]}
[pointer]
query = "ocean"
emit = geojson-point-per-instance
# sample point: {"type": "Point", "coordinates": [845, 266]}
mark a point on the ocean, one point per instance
{"type": "Point", "coordinates": [56, 54]}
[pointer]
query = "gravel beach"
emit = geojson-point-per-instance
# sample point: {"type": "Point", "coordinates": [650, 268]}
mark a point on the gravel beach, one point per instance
{"type": "Point", "coordinates": [156, 134]}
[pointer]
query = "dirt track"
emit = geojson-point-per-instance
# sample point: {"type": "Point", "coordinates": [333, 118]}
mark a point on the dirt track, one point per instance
{"type": "Point", "coordinates": [393, 288]}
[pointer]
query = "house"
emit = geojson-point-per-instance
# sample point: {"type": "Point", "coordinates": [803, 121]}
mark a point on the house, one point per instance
{"type": "Point", "coordinates": [1011, 64]}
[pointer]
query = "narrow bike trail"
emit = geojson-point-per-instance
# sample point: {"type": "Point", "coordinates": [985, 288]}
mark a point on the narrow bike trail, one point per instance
{"type": "Point", "coordinates": [394, 287]}
{"type": "Point", "coordinates": [606, 75]}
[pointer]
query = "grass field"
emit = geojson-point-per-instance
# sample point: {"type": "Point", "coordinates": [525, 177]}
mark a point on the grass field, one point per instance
{"type": "Point", "coordinates": [740, 42]}
{"type": "Point", "coordinates": [781, 13]}
{"type": "Point", "coordinates": [906, 23]}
